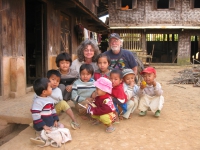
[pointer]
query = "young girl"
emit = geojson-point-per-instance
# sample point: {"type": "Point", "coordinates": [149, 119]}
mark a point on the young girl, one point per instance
{"type": "Point", "coordinates": [68, 75]}
{"type": "Point", "coordinates": [104, 109]}
{"type": "Point", "coordinates": [103, 63]}
{"type": "Point", "coordinates": [83, 88]}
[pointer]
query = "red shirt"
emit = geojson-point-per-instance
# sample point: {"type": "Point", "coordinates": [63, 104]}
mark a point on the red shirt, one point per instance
{"type": "Point", "coordinates": [118, 92]}
{"type": "Point", "coordinates": [104, 105]}
{"type": "Point", "coordinates": [98, 74]}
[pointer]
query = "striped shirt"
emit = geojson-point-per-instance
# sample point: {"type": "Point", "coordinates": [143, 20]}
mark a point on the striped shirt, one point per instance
{"type": "Point", "coordinates": [43, 112]}
{"type": "Point", "coordinates": [82, 90]}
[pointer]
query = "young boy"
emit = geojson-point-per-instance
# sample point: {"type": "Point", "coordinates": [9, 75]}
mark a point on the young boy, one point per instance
{"type": "Point", "coordinates": [43, 112]}
{"type": "Point", "coordinates": [83, 89]}
{"type": "Point", "coordinates": [130, 88]}
{"type": "Point", "coordinates": [68, 75]}
{"type": "Point", "coordinates": [118, 94]}
{"type": "Point", "coordinates": [150, 93]}
{"type": "Point", "coordinates": [60, 105]}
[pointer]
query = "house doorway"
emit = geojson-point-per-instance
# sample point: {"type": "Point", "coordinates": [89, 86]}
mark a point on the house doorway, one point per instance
{"type": "Point", "coordinates": [0, 73]}
{"type": "Point", "coordinates": [195, 46]}
{"type": "Point", "coordinates": [165, 47]}
{"type": "Point", "coordinates": [36, 53]}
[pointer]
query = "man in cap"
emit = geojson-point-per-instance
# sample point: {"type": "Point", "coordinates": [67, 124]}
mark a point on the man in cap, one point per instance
{"type": "Point", "coordinates": [120, 58]}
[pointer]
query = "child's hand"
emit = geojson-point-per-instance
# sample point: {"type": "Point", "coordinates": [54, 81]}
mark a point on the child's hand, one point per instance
{"type": "Point", "coordinates": [142, 86]}
{"type": "Point", "coordinates": [89, 99]}
{"type": "Point", "coordinates": [93, 95]}
{"type": "Point", "coordinates": [131, 84]}
{"type": "Point", "coordinates": [68, 88]}
{"type": "Point", "coordinates": [46, 128]}
{"type": "Point", "coordinates": [55, 124]}
{"type": "Point", "coordinates": [154, 83]}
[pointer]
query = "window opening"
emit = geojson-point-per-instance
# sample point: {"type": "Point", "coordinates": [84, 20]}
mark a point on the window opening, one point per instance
{"type": "Point", "coordinates": [127, 2]}
{"type": "Point", "coordinates": [162, 4]}
{"type": "Point", "coordinates": [162, 37]}
{"type": "Point", "coordinates": [196, 4]}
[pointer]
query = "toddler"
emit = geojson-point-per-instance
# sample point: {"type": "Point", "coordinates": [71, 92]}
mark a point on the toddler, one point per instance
{"type": "Point", "coordinates": [83, 88]}
{"type": "Point", "coordinates": [150, 93]}
{"type": "Point", "coordinates": [130, 88]}
{"type": "Point", "coordinates": [118, 94]}
{"type": "Point", "coordinates": [103, 110]}
{"type": "Point", "coordinates": [60, 105]}
{"type": "Point", "coordinates": [43, 112]}
{"type": "Point", "coordinates": [103, 63]}
{"type": "Point", "coordinates": [68, 75]}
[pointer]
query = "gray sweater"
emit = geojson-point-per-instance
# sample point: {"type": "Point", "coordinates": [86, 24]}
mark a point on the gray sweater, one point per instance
{"type": "Point", "coordinates": [82, 90]}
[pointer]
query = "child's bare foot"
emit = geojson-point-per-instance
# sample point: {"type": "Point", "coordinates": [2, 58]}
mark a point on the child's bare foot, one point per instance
{"type": "Point", "coordinates": [121, 117]}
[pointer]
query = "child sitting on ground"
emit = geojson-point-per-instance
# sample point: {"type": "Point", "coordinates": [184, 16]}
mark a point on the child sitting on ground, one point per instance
{"type": "Point", "coordinates": [130, 88]}
{"type": "Point", "coordinates": [103, 62]}
{"type": "Point", "coordinates": [118, 95]}
{"type": "Point", "coordinates": [43, 112]}
{"type": "Point", "coordinates": [150, 93]}
{"type": "Point", "coordinates": [60, 105]}
{"type": "Point", "coordinates": [83, 88]}
{"type": "Point", "coordinates": [68, 75]}
{"type": "Point", "coordinates": [104, 109]}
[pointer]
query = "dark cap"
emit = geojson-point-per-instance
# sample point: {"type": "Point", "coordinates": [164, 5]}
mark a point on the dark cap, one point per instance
{"type": "Point", "coordinates": [114, 35]}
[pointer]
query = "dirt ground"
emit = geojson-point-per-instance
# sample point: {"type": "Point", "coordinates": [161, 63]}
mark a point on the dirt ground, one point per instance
{"type": "Point", "coordinates": [177, 128]}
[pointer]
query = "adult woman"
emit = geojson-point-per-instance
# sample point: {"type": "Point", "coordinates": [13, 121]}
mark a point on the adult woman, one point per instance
{"type": "Point", "coordinates": [87, 53]}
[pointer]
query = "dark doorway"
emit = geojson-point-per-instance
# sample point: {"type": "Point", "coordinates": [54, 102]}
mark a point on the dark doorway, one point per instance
{"type": "Point", "coordinates": [165, 47]}
{"type": "Point", "coordinates": [1, 82]}
{"type": "Point", "coordinates": [35, 40]}
{"type": "Point", "coordinates": [0, 69]}
{"type": "Point", "coordinates": [194, 48]}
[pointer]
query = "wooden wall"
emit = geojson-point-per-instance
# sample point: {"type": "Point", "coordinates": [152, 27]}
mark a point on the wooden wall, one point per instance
{"type": "Point", "coordinates": [13, 25]}
{"type": "Point", "coordinates": [146, 15]}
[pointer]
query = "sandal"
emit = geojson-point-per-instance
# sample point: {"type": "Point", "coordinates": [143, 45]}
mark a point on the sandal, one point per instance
{"type": "Point", "coordinates": [96, 122]}
{"type": "Point", "coordinates": [74, 125]}
{"type": "Point", "coordinates": [37, 141]}
{"type": "Point", "coordinates": [110, 129]}
{"type": "Point", "coordinates": [55, 144]}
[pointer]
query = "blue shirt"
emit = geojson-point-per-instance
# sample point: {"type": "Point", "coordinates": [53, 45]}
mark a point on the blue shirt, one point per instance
{"type": "Point", "coordinates": [126, 60]}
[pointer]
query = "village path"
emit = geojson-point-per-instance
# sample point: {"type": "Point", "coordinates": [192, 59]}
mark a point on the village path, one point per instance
{"type": "Point", "coordinates": [177, 128]}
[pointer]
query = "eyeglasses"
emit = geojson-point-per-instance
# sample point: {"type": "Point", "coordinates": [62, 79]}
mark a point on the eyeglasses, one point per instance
{"type": "Point", "coordinates": [88, 50]}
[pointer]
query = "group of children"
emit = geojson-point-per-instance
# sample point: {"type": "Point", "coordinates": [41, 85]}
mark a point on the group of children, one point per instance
{"type": "Point", "coordinates": [107, 95]}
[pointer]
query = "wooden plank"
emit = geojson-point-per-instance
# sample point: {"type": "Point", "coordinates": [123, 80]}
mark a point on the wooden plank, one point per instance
{"type": "Point", "coordinates": [171, 4]}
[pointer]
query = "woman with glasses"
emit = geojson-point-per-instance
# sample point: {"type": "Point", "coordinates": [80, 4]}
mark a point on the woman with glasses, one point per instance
{"type": "Point", "coordinates": [87, 53]}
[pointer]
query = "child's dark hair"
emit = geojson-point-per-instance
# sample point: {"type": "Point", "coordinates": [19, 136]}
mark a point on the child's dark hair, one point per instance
{"type": "Point", "coordinates": [53, 72]}
{"type": "Point", "coordinates": [117, 71]}
{"type": "Point", "coordinates": [40, 85]}
{"type": "Point", "coordinates": [63, 56]}
{"type": "Point", "coordinates": [88, 67]}
{"type": "Point", "coordinates": [103, 55]}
